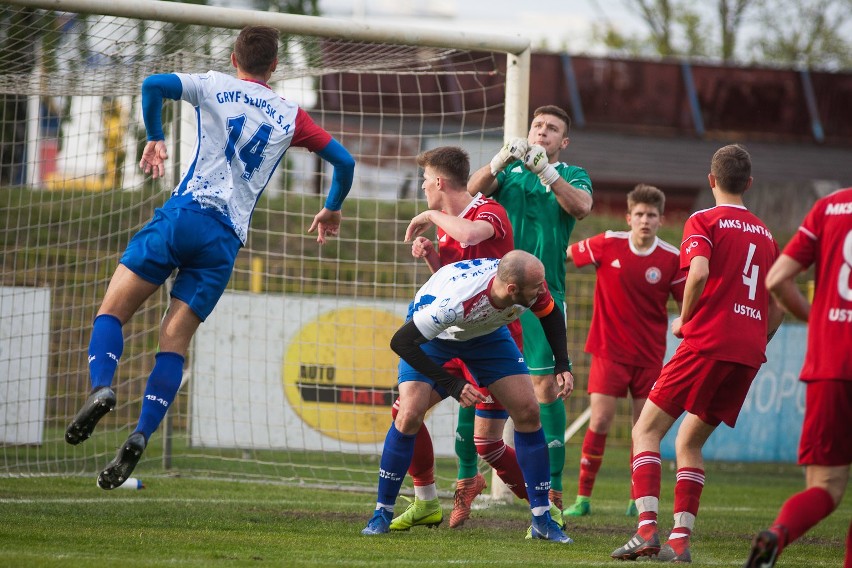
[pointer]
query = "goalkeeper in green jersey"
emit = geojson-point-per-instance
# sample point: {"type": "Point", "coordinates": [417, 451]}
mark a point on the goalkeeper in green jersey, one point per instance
{"type": "Point", "coordinates": [544, 199]}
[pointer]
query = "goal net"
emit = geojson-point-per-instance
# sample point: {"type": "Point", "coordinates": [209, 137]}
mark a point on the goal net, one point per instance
{"type": "Point", "coordinates": [291, 379]}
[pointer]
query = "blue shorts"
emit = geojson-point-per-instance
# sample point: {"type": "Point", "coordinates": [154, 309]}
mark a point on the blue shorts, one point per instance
{"type": "Point", "coordinates": [488, 358]}
{"type": "Point", "coordinates": [200, 247]}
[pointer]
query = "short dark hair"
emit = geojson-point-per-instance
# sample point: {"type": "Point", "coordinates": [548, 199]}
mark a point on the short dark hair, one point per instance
{"type": "Point", "coordinates": [450, 161]}
{"type": "Point", "coordinates": [648, 195]}
{"type": "Point", "coordinates": [555, 111]}
{"type": "Point", "coordinates": [731, 166]}
{"type": "Point", "coordinates": [256, 49]}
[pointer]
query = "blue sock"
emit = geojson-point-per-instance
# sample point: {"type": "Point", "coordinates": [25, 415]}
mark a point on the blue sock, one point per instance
{"type": "Point", "coordinates": [160, 392]}
{"type": "Point", "coordinates": [396, 458]}
{"type": "Point", "coordinates": [105, 348]}
{"type": "Point", "coordinates": [534, 460]}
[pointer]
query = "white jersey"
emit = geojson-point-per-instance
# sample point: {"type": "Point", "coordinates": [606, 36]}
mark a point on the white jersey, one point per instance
{"type": "Point", "coordinates": [454, 303]}
{"type": "Point", "coordinates": [243, 130]}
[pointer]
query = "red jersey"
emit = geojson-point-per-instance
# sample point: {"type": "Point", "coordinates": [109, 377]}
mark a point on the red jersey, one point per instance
{"type": "Point", "coordinates": [730, 319]}
{"type": "Point", "coordinates": [629, 317]}
{"type": "Point", "coordinates": [825, 239]}
{"type": "Point", "coordinates": [480, 209]}
{"type": "Point", "coordinates": [501, 242]}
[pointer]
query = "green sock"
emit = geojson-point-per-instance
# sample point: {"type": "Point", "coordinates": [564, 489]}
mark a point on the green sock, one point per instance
{"type": "Point", "coordinates": [465, 448]}
{"type": "Point", "coordinates": [554, 421]}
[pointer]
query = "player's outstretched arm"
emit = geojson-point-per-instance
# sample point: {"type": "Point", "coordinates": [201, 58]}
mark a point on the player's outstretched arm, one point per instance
{"type": "Point", "coordinates": [154, 89]}
{"type": "Point", "coordinates": [154, 158]}
{"type": "Point", "coordinates": [344, 172]}
{"type": "Point", "coordinates": [326, 223]}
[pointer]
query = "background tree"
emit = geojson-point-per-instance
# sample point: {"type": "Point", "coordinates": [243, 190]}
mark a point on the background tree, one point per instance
{"type": "Point", "coordinates": [782, 32]}
{"type": "Point", "coordinates": [805, 33]}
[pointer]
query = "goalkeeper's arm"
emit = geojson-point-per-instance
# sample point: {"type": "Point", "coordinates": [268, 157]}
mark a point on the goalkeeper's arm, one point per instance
{"type": "Point", "coordinates": [484, 180]}
{"type": "Point", "coordinates": [406, 343]}
{"type": "Point", "coordinates": [574, 200]}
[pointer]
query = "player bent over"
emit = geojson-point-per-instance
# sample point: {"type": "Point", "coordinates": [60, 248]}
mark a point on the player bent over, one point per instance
{"type": "Point", "coordinates": [244, 130]}
{"type": "Point", "coordinates": [468, 227]}
{"type": "Point", "coordinates": [461, 312]}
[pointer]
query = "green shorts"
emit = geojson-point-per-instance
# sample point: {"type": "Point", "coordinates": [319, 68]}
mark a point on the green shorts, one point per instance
{"type": "Point", "coordinates": [537, 353]}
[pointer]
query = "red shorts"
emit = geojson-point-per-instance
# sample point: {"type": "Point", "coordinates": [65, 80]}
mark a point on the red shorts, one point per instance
{"type": "Point", "coordinates": [458, 369]}
{"type": "Point", "coordinates": [614, 379]}
{"type": "Point", "coordinates": [710, 389]}
{"type": "Point", "coordinates": [827, 429]}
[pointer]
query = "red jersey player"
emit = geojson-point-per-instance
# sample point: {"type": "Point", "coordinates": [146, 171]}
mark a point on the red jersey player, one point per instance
{"type": "Point", "coordinates": [825, 448]}
{"type": "Point", "coordinates": [636, 274]}
{"type": "Point", "coordinates": [468, 227]}
{"type": "Point", "coordinates": [725, 322]}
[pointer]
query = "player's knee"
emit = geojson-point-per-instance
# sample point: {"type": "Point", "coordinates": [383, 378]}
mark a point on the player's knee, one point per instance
{"type": "Point", "coordinates": [526, 416]}
{"type": "Point", "coordinates": [546, 391]}
{"type": "Point", "coordinates": [408, 422]}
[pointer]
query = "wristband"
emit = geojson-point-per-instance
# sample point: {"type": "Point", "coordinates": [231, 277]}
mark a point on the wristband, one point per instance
{"type": "Point", "coordinates": [548, 175]}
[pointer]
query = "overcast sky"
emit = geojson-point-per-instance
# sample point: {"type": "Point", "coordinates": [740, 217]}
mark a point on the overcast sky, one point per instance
{"type": "Point", "coordinates": [555, 24]}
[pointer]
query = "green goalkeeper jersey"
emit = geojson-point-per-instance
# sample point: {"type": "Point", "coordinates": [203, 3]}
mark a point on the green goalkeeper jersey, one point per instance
{"type": "Point", "coordinates": [541, 226]}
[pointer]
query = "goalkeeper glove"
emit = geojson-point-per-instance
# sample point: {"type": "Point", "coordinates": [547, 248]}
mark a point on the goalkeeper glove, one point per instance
{"type": "Point", "coordinates": [513, 150]}
{"type": "Point", "coordinates": [535, 161]}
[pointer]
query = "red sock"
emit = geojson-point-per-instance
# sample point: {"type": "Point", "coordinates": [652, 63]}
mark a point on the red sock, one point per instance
{"type": "Point", "coordinates": [680, 542]}
{"type": "Point", "coordinates": [801, 512]}
{"type": "Point", "coordinates": [647, 472]}
{"type": "Point", "coordinates": [590, 461]}
{"type": "Point", "coordinates": [690, 482]}
{"type": "Point", "coordinates": [504, 461]}
{"type": "Point", "coordinates": [422, 469]}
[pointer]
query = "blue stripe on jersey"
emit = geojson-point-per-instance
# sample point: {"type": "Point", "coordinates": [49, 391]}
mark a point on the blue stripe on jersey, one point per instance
{"type": "Point", "coordinates": [181, 188]}
{"type": "Point", "coordinates": [424, 300]}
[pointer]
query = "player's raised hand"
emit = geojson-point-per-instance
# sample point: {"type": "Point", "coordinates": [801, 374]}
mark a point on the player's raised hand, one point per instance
{"type": "Point", "coordinates": [512, 150]}
{"type": "Point", "coordinates": [536, 161]}
{"type": "Point", "coordinates": [418, 225]}
{"type": "Point", "coordinates": [422, 247]}
{"type": "Point", "coordinates": [326, 224]}
{"type": "Point", "coordinates": [565, 381]}
{"type": "Point", "coordinates": [154, 157]}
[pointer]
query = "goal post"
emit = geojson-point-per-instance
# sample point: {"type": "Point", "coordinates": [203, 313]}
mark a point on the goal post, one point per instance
{"type": "Point", "coordinates": [291, 378]}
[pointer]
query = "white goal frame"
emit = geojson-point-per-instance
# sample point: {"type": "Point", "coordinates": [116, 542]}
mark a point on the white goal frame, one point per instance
{"type": "Point", "coordinates": [516, 48]}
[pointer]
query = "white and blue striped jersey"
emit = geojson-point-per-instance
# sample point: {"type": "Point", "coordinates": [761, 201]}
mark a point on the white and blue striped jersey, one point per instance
{"type": "Point", "coordinates": [243, 130]}
{"type": "Point", "coordinates": [454, 304]}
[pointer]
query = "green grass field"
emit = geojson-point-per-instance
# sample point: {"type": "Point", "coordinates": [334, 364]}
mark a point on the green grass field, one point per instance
{"type": "Point", "coordinates": [54, 521]}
